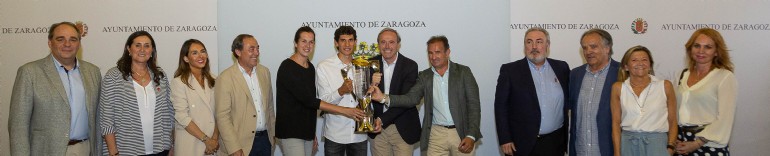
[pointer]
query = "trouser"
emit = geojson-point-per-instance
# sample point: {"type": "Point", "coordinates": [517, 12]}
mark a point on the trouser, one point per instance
{"type": "Point", "coordinates": [296, 147]}
{"type": "Point", "coordinates": [332, 148]}
{"type": "Point", "coordinates": [390, 143]}
{"type": "Point", "coordinates": [446, 141]}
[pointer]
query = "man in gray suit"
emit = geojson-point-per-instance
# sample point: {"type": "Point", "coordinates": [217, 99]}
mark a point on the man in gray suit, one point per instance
{"type": "Point", "coordinates": [54, 100]}
{"type": "Point", "coordinates": [452, 106]}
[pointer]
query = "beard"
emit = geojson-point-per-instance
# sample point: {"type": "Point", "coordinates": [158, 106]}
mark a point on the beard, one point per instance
{"type": "Point", "coordinates": [536, 59]}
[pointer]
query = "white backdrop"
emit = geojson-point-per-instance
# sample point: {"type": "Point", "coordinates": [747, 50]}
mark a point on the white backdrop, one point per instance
{"type": "Point", "coordinates": [109, 23]}
{"type": "Point", "coordinates": [482, 34]}
{"type": "Point", "coordinates": [477, 32]}
{"type": "Point", "coordinates": [669, 26]}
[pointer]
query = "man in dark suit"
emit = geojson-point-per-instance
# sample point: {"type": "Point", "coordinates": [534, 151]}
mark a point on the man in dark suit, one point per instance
{"type": "Point", "coordinates": [589, 96]}
{"type": "Point", "coordinates": [452, 106]}
{"type": "Point", "coordinates": [53, 106]}
{"type": "Point", "coordinates": [401, 125]}
{"type": "Point", "coordinates": [529, 101]}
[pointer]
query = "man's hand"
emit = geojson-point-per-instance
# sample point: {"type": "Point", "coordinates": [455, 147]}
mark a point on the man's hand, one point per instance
{"type": "Point", "coordinates": [377, 125]}
{"type": "Point", "coordinates": [376, 78]}
{"type": "Point", "coordinates": [508, 148]}
{"type": "Point", "coordinates": [346, 87]}
{"type": "Point", "coordinates": [376, 94]}
{"type": "Point", "coordinates": [466, 146]}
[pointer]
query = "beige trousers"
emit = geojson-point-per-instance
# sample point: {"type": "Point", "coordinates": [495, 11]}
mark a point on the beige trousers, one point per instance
{"type": "Point", "coordinates": [445, 141]}
{"type": "Point", "coordinates": [390, 143]}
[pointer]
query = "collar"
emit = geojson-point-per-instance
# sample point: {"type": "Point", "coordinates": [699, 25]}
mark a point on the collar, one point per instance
{"type": "Point", "coordinates": [448, 66]}
{"type": "Point", "coordinates": [533, 66]}
{"type": "Point", "coordinates": [253, 69]}
{"type": "Point", "coordinates": [58, 64]}
{"type": "Point", "coordinates": [588, 68]}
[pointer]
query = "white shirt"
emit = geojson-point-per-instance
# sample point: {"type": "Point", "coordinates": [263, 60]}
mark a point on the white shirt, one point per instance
{"type": "Point", "coordinates": [145, 98]}
{"type": "Point", "coordinates": [337, 128]}
{"type": "Point", "coordinates": [647, 112]}
{"type": "Point", "coordinates": [256, 95]}
{"type": "Point", "coordinates": [387, 72]}
{"type": "Point", "coordinates": [710, 102]}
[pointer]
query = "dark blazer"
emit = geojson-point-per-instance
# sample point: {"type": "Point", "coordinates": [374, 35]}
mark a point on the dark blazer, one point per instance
{"type": "Point", "coordinates": [464, 103]}
{"type": "Point", "coordinates": [39, 114]}
{"type": "Point", "coordinates": [603, 116]}
{"type": "Point", "coordinates": [517, 110]}
{"type": "Point", "coordinates": [407, 119]}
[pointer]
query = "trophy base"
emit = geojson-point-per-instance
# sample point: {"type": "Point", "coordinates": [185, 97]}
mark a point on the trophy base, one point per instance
{"type": "Point", "coordinates": [365, 126]}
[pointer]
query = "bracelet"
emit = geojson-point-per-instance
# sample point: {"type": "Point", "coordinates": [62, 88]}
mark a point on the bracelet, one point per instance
{"type": "Point", "coordinates": [703, 139]}
{"type": "Point", "coordinates": [205, 138]}
{"type": "Point", "coordinates": [670, 146]}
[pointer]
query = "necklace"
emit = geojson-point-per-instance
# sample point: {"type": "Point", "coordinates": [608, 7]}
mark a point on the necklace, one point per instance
{"type": "Point", "coordinates": [139, 77]}
{"type": "Point", "coordinates": [641, 106]}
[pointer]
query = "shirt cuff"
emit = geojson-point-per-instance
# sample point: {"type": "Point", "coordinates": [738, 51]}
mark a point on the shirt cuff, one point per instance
{"type": "Point", "coordinates": [472, 138]}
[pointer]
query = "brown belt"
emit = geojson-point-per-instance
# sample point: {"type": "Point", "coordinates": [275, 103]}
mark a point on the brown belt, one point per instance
{"type": "Point", "coordinates": [73, 142]}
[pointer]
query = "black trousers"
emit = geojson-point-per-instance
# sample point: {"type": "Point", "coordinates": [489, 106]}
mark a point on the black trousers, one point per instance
{"type": "Point", "coordinates": [551, 144]}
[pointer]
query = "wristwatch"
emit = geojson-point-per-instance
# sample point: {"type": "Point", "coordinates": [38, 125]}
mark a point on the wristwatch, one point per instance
{"type": "Point", "coordinates": [205, 138]}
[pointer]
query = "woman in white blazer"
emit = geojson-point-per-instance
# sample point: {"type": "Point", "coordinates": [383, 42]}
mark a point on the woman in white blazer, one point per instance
{"type": "Point", "coordinates": [192, 92]}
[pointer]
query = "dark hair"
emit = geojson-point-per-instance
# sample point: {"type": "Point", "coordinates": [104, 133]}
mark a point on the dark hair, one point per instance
{"type": "Point", "coordinates": [301, 30]}
{"type": "Point", "coordinates": [624, 74]}
{"type": "Point", "coordinates": [722, 60]}
{"type": "Point", "coordinates": [606, 37]}
{"type": "Point", "coordinates": [398, 37]}
{"type": "Point", "coordinates": [344, 30]}
{"type": "Point", "coordinates": [56, 25]}
{"type": "Point", "coordinates": [183, 69]}
{"type": "Point", "coordinates": [439, 38]}
{"type": "Point", "coordinates": [238, 43]}
{"type": "Point", "coordinates": [124, 63]}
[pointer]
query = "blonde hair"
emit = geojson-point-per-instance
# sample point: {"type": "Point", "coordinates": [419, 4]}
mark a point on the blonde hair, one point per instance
{"type": "Point", "coordinates": [623, 74]}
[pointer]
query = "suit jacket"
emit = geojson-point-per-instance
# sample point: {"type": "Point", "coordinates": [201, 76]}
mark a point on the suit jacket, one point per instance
{"type": "Point", "coordinates": [39, 119]}
{"type": "Point", "coordinates": [407, 119]}
{"type": "Point", "coordinates": [194, 104]}
{"type": "Point", "coordinates": [236, 116]}
{"type": "Point", "coordinates": [464, 103]}
{"type": "Point", "coordinates": [603, 116]}
{"type": "Point", "coordinates": [517, 109]}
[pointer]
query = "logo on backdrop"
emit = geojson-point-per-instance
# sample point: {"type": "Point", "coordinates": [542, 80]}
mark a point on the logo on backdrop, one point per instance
{"type": "Point", "coordinates": [82, 27]}
{"type": "Point", "coordinates": [639, 26]}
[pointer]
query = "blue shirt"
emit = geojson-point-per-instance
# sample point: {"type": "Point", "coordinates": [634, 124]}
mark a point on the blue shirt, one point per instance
{"type": "Point", "coordinates": [587, 139]}
{"type": "Point", "coordinates": [76, 96]}
{"type": "Point", "coordinates": [550, 97]}
{"type": "Point", "coordinates": [441, 113]}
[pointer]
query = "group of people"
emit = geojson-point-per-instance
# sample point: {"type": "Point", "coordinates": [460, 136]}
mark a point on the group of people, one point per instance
{"type": "Point", "coordinates": [615, 108]}
{"type": "Point", "coordinates": [61, 105]}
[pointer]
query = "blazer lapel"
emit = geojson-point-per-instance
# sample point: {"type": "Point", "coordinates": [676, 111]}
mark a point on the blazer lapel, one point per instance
{"type": "Point", "coordinates": [240, 83]}
{"type": "Point", "coordinates": [85, 74]}
{"type": "Point", "coordinates": [454, 90]}
{"type": "Point", "coordinates": [527, 81]}
{"type": "Point", "coordinates": [395, 80]}
{"type": "Point", "coordinates": [264, 88]}
{"type": "Point", "coordinates": [53, 76]}
{"type": "Point", "coordinates": [202, 91]}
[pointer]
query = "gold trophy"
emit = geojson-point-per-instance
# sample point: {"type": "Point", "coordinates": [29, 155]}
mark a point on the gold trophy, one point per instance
{"type": "Point", "coordinates": [362, 70]}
